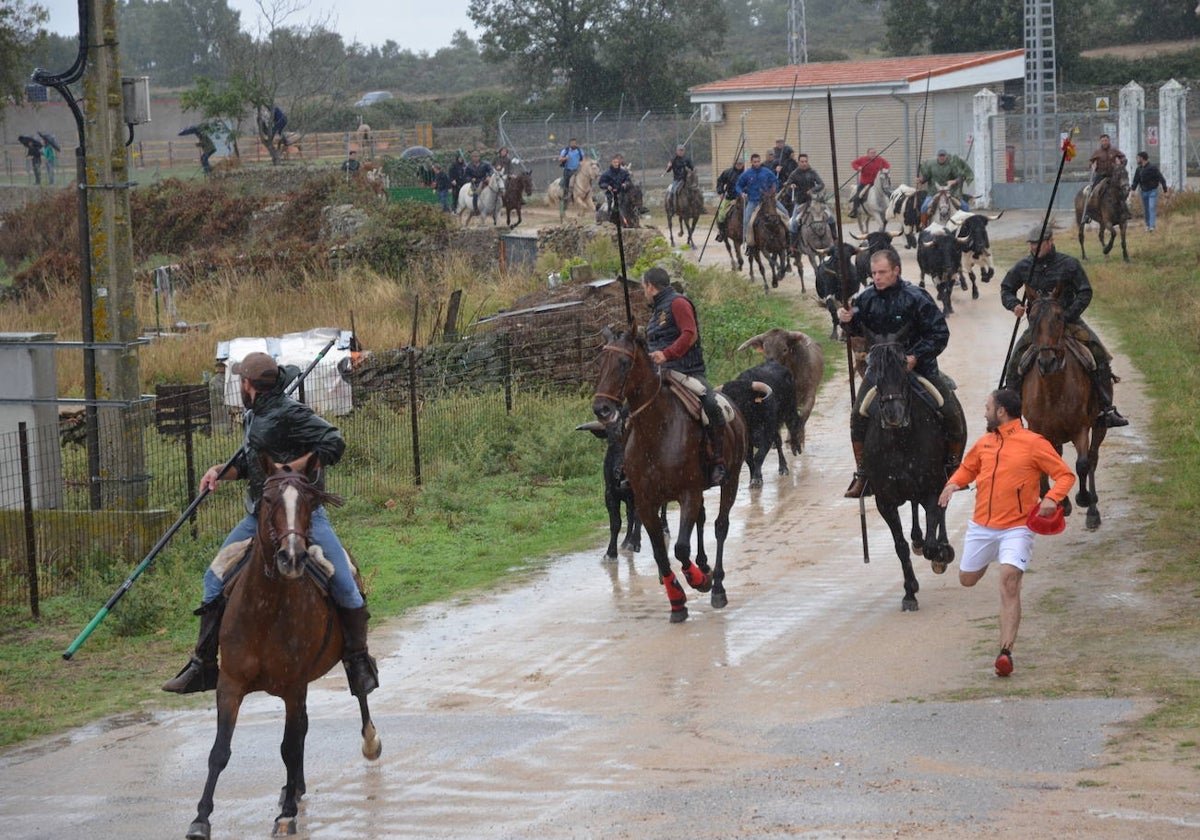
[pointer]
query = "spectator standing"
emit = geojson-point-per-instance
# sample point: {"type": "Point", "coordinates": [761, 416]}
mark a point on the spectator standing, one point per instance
{"type": "Point", "coordinates": [441, 185]}
{"type": "Point", "coordinates": [1146, 180]}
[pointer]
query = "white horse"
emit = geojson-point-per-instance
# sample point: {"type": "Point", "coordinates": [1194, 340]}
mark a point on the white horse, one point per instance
{"type": "Point", "coordinates": [582, 183]}
{"type": "Point", "coordinates": [489, 199]}
{"type": "Point", "coordinates": [875, 201]}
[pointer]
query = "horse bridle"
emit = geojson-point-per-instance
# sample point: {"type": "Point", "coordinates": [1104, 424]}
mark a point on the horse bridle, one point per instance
{"type": "Point", "coordinates": [617, 398]}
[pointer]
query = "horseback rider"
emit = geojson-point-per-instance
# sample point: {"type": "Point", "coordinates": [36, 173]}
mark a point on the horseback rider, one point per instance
{"type": "Point", "coordinates": [615, 181]}
{"type": "Point", "coordinates": [1052, 270]}
{"type": "Point", "coordinates": [868, 167]}
{"type": "Point", "coordinates": [570, 159]}
{"type": "Point", "coordinates": [679, 166]}
{"type": "Point", "coordinates": [887, 307]}
{"type": "Point", "coordinates": [727, 190]}
{"type": "Point", "coordinates": [1102, 163]}
{"type": "Point", "coordinates": [781, 160]}
{"type": "Point", "coordinates": [807, 185]}
{"type": "Point", "coordinates": [478, 173]}
{"type": "Point", "coordinates": [946, 170]}
{"type": "Point", "coordinates": [286, 431]}
{"type": "Point", "coordinates": [673, 337]}
{"type": "Point", "coordinates": [457, 173]}
{"type": "Point", "coordinates": [752, 184]}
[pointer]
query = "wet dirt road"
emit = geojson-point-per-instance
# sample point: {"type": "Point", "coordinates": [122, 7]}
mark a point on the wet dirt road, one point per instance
{"type": "Point", "coordinates": [566, 706]}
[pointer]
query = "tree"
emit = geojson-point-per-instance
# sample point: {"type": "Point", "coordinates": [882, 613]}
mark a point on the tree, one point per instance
{"type": "Point", "coordinates": [19, 35]}
{"type": "Point", "coordinates": [552, 43]}
{"type": "Point", "coordinates": [174, 41]}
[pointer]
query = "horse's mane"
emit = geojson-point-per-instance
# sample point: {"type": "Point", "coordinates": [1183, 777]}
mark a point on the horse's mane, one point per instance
{"type": "Point", "coordinates": [886, 361]}
{"type": "Point", "coordinates": [290, 477]}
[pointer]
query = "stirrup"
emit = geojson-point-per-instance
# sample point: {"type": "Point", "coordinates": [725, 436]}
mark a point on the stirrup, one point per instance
{"type": "Point", "coordinates": [1113, 418]}
{"type": "Point", "coordinates": [362, 673]}
{"type": "Point", "coordinates": [857, 488]}
{"type": "Point", "coordinates": [195, 676]}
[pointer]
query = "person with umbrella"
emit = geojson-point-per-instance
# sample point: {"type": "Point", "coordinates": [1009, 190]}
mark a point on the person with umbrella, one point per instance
{"type": "Point", "coordinates": [50, 151]}
{"type": "Point", "coordinates": [33, 151]}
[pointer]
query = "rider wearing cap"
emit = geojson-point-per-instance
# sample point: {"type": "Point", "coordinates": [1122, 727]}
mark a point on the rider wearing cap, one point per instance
{"type": "Point", "coordinates": [287, 432]}
{"type": "Point", "coordinates": [673, 337]}
{"type": "Point", "coordinates": [946, 170]}
{"type": "Point", "coordinates": [1044, 271]}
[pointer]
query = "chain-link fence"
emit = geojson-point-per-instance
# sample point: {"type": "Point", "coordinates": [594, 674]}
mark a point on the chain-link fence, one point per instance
{"type": "Point", "coordinates": [646, 141]}
{"type": "Point", "coordinates": [415, 411]}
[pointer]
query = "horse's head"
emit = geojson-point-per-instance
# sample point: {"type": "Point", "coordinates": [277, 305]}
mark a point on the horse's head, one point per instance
{"type": "Point", "coordinates": [883, 179]}
{"type": "Point", "coordinates": [1047, 327]}
{"type": "Point", "coordinates": [622, 353]}
{"type": "Point", "coordinates": [887, 366]}
{"type": "Point", "coordinates": [285, 512]}
{"type": "Point", "coordinates": [526, 182]}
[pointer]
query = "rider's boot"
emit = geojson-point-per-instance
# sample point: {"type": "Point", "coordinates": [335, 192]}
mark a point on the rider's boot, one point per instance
{"type": "Point", "coordinates": [721, 231]}
{"type": "Point", "coordinates": [854, 207]}
{"type": "Point", "coordinates": [200, 674]}
{"type": "Point", "coordinates": [858, 487]}
{"type": "Point", "coordinates": [361, 671]}
{"type": "Point", "coordinates": [1103, 378]}
{"type": "Point", "coordinates": [714, 456]}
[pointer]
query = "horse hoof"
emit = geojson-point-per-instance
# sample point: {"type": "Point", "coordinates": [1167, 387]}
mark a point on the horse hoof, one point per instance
{"type": "Point", "coordinates": [372, 746]}
{"type": "Point", "coordinates": [756, 482]}
{"type": "Point", "coordinates": [199, 830]}
{"type": "Point", "coordinates": [1092, 522]}
{"type": "Point", "coordinates": [284, 827]}
{"type": "Point", "coordinates": [939, 568]}
{"type": "Point", "coordinates": [719, 600]}
{"type": "Point", "coordinates": [918, 549]}
{"type": "Point", "coordinates": [608, 558]}
{"type": "Point", "coordinates": [974, 293]}
{"type": "Point", "coordinates": [909, 605]}
{"type": "Point", "coordinates": [679, 616]}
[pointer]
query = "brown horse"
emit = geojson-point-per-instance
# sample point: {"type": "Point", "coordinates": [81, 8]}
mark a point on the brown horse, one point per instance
{"type": "Point", "coordinates": [687, 204]}
{"type": "Point", "coordinates": [663, 462]}
{"type": "Point", "coordinates": [771, 238]}
{"type": "Point", "coordinates": [280, 632]}
{"type": "Point", "coordinates": [516, 188]}
{"type": "Point", "coordinates": [1060, 401]}
{"type": "Point", "coordinates": [1105, 205]}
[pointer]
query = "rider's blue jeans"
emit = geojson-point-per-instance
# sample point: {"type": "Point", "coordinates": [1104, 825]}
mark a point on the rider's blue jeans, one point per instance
{"type": "Point", "coordinates": [342, 586]}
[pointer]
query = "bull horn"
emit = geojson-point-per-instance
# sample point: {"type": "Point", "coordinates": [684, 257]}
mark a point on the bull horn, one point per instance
{"type": "Point", "coordinates": [894, 233]}
{"type": "Point", "coordinates": [993, 218]}
{"type": "Point", "coordinates": [594, 426]}
{"type": "Point", "coordinates": [756, 343]}
{"type": "Point", "coordinates": [823, 251]}
{"type": "Point", "coordinates": [857, 236]}
{"type": "Point", "coordinates": [927, 244]}
{"type": "Point", "coordinates": [960, 238]}
{"type": "Point", "coordinates": [761, 388]}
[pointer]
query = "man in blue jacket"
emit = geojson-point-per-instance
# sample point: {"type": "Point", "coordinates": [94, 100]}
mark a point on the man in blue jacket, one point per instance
{"type": "Point", "coordinates": [752, 184]}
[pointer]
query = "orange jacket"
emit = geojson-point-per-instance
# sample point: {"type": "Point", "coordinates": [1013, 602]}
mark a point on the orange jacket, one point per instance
{"type": "Point", "coordinates": [1006, 466]}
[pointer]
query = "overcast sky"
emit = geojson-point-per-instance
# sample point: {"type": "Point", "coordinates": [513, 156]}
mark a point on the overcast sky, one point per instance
{"type": "Point", "coordinates": [418, 25]}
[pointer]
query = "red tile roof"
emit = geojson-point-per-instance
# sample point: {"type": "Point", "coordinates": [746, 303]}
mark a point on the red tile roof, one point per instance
{"type": "Point", "coordinates": [835, 73]}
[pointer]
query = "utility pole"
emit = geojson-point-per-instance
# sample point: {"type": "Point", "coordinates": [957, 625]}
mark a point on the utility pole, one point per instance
{"type": "Point", "coordinates": [122, 474]}
{"type": "Point", "coordinates": [797, 33]}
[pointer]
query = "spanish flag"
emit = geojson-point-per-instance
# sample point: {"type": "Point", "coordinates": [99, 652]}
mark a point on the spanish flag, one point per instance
{"type": "Point", "coordinates": [1068, 148]}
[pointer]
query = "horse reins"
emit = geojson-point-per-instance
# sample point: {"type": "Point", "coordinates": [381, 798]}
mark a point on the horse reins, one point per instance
{"type": "Point", "coordinates": [618, 399]}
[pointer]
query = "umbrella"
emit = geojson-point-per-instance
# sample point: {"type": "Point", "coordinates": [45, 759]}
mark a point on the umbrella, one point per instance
{"type": "Point", "coordinates": [50, 140]}
{"type": "Point", "coordinates": [191, 129]}
{"type": "Point", "coordinates": [416, 151]}
{"type": "Point", "coordinates": [29, 142]}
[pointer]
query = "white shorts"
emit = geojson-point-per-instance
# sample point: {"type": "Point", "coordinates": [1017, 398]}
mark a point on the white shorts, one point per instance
{"type": "Point", "coordinates": [984, 545]}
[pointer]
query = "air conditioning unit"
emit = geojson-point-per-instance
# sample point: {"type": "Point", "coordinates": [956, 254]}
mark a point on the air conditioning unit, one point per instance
{"type": "Point", "coordinates": [712, 112]}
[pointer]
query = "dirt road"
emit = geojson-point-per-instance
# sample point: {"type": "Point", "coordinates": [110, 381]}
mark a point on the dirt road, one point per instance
{"type": "Point", "coordinates": [566, 706]}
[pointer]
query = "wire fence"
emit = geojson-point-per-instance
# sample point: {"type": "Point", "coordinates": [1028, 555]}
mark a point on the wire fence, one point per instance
{"type": "Point", "coordinates": [414, 412]}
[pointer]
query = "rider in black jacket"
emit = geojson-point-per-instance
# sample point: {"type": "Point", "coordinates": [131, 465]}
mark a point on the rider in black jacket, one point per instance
{"type": "Point", "coordinates": [727, 190]}
{"type": "Point", "coordinates": [1054, 271]}
{"type": "Point", "coordinates": [887, 307]}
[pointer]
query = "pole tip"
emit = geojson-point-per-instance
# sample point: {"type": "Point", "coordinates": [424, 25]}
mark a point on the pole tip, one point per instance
{"type": "Point", "coordinates": [67, 655]}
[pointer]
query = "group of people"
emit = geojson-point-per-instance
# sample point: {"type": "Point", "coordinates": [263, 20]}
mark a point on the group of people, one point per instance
{"type": "Point", "coordinates": [477, 172]}
{"type": "Point", "coordinates": [1147, 178]}
{"type": "Point", "coordinates": [37, 153]}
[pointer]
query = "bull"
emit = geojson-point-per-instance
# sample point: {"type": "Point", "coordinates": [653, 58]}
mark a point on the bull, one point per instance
{"type": "Point", "coordinates": [829, 284]}
{"type": "Point", "coordinates": [805, 361]}
{"type": "Point", "coordinates": [970, 232]}
{"type": "Point", "coordinates": [872, 242]}
{"type": "Point", "coordinates": [939, 258]}
{"type": "Point", "coordinates": [762, 405]}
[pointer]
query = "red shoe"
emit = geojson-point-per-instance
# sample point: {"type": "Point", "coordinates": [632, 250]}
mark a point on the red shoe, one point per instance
{"type": "Point", "coordinates": [1004, 664]}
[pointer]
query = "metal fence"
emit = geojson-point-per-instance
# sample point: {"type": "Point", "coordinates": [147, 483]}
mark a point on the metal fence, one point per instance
{"type": "Point", "coordinates": [647, 141]}
{"type": "Point", "coordinates": [414, 413]}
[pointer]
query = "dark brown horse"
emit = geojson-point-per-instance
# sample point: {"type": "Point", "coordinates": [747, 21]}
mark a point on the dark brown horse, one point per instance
{"type": "Point", "coordinates": [733, 233]}
{"type": "Point", "coordinates": [1059, 400]}
{"type": "Point", "coordinates": [904, 457]}
{"type": "Point", "coordinates": [686, 203]}
{"type": "Point", "coordinates": [280, 632]}
{"type": "Point", "coordinates": [663, 462]}
{"type": "Point", "coordinates": [518, 185]}
{"type": "Point", "coordinates": [770, 238]}
{"type": "Point", "coordinates": [1105, 205]}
